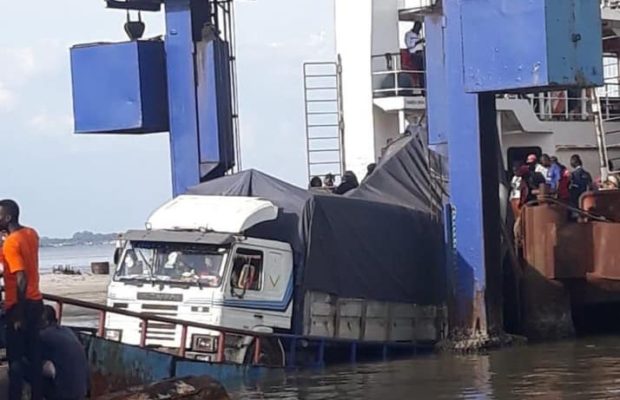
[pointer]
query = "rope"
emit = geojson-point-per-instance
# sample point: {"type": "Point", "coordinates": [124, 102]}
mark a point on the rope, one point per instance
{"type": "Point", "coordinates": [568, 207]}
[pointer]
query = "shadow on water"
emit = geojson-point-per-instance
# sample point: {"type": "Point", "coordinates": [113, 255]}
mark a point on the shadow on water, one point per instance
{"type": "Point", "coordinates": [583, 369]}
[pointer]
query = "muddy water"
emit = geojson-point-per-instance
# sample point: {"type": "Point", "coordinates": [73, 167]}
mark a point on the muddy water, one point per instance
{"type": "Point", "coordinates": [582, 369]}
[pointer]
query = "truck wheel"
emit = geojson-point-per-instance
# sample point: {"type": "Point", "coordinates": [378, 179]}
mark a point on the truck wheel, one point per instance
{"type": "Point", "coordinates": [271, 353]}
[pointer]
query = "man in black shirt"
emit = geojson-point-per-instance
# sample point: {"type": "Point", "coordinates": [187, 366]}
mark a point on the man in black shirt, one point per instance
{"type": "Point", "coordinates": [65, 365]}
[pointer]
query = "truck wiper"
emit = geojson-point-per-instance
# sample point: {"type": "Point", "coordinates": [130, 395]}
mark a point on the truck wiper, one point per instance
{"type": "Point", "coordinates": [134, 280]}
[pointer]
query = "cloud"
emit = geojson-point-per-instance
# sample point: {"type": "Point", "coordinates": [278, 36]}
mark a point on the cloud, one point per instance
{"type": "Point", "coordinates": [7, 99]}
{"type": "Point", "coordinates": [16, 64]}
{"type": "Point", "coordinates": [49, 123]}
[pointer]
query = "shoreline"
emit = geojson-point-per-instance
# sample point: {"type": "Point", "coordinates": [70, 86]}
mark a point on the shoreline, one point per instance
{"type": "Point", "coordinates": [86, 287]}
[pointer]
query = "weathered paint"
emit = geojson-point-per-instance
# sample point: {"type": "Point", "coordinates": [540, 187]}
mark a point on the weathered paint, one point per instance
{"type": "Point", "coordinates": [454, 115]}
{"type": "Point", "coordinates": [117, 366]}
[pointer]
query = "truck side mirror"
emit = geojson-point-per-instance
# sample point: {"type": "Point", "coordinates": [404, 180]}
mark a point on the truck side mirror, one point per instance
{"type": "Point", "coordinates": [117, 255]}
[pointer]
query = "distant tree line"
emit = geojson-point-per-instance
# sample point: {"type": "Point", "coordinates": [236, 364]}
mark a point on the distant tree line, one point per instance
{"type": "Point", "coordinates": [79, 238]}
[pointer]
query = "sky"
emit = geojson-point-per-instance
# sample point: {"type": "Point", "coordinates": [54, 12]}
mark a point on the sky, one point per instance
{"type": "Point", "coordinates": [108, 183]}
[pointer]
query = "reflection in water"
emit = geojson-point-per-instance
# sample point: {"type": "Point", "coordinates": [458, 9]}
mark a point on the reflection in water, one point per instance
{"type": "Point", "coordinates": [584, 369]}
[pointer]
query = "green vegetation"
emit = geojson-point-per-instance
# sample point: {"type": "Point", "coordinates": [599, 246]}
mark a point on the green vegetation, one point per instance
{"type": "Point", "coordinates": [80, 239]}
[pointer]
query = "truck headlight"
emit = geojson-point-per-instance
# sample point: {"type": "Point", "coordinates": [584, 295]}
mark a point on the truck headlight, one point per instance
{"type": "Point", "coordinates": [114, 335]}
{"type": "Point", "coordinates": [204, 343]}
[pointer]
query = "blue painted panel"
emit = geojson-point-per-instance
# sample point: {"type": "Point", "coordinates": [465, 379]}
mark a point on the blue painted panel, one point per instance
{"type": "Point", "coordinates": [207, 97]}
{"type": "Point", "coordinates": [153, 86]}
{"type": "Point", "coordinates": [501, 44]}
{"type": "Point", "coordinates": [437, 98]}
{"type": "Point", "coordinates": [117, 366]}
{"type": "Point", "coordinates": [579, 57]}
{"type": "Point", "coordinates": [108, 82]}
{"type": "Point", "coordinates": [214, 109]}
{"type": "Point", "coordinates": [182, 96]}
{"type": "Point", "coordinates": [513, 45]}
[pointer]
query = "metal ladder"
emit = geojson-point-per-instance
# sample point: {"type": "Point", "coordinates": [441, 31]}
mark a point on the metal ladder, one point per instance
{"type": "Point", "coordinates": [324, 118]}
{"type": "Point", "coordinates": [602, 135]}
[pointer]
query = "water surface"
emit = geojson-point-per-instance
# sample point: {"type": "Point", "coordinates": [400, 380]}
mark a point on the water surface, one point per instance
{"type": "Point", "coordinates": [583, 369]}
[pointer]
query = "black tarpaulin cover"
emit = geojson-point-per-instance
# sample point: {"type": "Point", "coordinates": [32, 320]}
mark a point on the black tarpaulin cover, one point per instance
{"type": "Point", "coordinates": [402, 178]}
{"type": "Point", "coordinates": [363, 249]}
{"type": "Point", "coordinates": [345, 246]}
{"type": "Point", "coordinates": [290, 200]}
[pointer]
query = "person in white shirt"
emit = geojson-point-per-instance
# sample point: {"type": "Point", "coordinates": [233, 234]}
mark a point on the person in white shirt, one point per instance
{"type": "Point", "coordinates": [532, 159]}
{"type": "Point", "coordinates": [415, 46]}
{"type": "Point", "coordinates": [414, 40]}
{"type": "Point", "coordinates": [515, 186]}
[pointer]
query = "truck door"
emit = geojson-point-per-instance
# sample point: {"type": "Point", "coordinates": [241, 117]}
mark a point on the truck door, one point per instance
{"type": "Point", "coordinates": [258, 280]}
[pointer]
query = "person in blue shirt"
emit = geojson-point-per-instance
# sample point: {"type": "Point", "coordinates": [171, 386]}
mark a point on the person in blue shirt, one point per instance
{"type": "Point", "coordinates": [554, 172]}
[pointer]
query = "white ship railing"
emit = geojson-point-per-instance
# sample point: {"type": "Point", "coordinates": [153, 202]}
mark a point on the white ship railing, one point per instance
{"type": "Point", "coordinates": [395, 75]}
{"type": "Point", "coordinates": [610, 3]}
{"type": "Point", "coordinates": [574, 105]}
{"type": "Point", "coordinates": [392, 76]}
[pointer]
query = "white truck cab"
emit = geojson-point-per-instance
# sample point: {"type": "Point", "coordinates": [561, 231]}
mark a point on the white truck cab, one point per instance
{"type": "Point", "coordinates": [194, 263]}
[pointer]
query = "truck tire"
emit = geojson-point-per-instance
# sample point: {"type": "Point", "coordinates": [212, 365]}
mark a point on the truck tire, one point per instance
{"type": "Point", "coordinates": [271, 353]}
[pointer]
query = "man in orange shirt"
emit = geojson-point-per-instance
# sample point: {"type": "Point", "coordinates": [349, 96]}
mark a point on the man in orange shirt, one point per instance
{"type": "Point", "coordinates": [23, 302]}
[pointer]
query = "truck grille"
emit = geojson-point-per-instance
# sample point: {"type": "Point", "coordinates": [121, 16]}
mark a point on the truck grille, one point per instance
{"type": "Point", "coordinates": [157, 331]}
{"type": "Point", "coordinates": [146, 296]}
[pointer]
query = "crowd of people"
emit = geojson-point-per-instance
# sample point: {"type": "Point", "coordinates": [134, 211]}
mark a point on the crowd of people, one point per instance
{"type": "Point", "coordinates": [566, 185]}
{"type": "Point", "coordinates": [348, 181]}
{"type": "Point", "coordinates": [39, 351]}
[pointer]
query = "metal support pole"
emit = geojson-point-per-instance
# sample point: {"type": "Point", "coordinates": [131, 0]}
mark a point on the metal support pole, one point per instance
{"type": "Point", "coordinates": [101, 327]}
{"type": "Point", "coordinates": [221, 346]}
{"type": "Point", "coordinates": [257, 350]}
{"type": "Point", "coordinates": [145, 328]}
{"type": "Point", "coordinates": [59, 309]}
{"type": "Point", "coordinates": [183, 340]}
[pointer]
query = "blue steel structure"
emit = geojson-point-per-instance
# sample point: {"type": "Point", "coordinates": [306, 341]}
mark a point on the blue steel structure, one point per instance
{"type": "Point", "coordinates": [184, 85]}
{"type": "Point", "coordinates": [476, 49]}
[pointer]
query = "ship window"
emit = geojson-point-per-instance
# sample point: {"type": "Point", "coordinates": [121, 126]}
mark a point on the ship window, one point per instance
{"type": "Point", "coordinates": [247, 271]}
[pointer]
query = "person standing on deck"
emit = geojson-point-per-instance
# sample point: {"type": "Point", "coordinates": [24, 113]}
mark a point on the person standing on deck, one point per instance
{"type": "Point", "coordinates": [580, 180]}
{"type": "Point", "coordinates": [23, 302]}
{"type": "Point", "coordinates": [515, 185]}
{"type": "Point", "coordinates": [316, 182]}
{"type": "Point", "coordinates": [553, 172]}
{"type": "Point", "coordinates": [349, 182]}
{"type": "Point", "coordinates": [564, 182]}
{"type": "Point", "coordinates": [66, 368]}
{"type": "Point", "coordinates": [329, 182]}
{"type": "Point", "coordinates": [415, 45]}
{"type": "Point", "coordinates": [532, 161]}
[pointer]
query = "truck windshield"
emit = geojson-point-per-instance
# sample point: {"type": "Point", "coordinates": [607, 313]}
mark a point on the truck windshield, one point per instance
{"type": "Point", "coordinates": [175, 263]}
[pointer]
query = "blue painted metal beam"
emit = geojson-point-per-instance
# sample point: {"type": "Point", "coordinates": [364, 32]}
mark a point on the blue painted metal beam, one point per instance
{"type": "Point", "coordinates": [454, 116]}
{"type": "Point", "coordinates": [470, 56]}
{"type": "Point", "coordinates": [139, 5]}
{"type": "Point", "coordinates": [180, 26]}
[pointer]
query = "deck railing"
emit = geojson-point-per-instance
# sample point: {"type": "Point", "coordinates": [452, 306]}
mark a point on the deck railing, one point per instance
{"type": "Point", "coordinates": [145, 319]}
{"type": "Point", "coordinates": [289, 341]}
{"type": "Point", "coordinates": [394, 74]}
